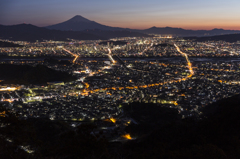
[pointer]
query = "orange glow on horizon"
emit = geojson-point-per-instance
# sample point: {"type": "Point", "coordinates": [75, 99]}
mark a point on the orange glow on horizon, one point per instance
{"type": "Point", "coordinates": [190, 27]}
{"type": "Point", "coordinates": [196, 25]}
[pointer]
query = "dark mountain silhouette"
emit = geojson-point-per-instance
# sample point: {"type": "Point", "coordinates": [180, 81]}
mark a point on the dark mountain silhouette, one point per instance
{"type": "Point", "coordinates": [228, 38]}
{"type": "Point", "coordinates": [183, 32]}
{"type": "Point", "coordinates": [28, 32]}
{"type": "Point", "coordinates": [79, 23]}
{"type": "Point", "coordinates": [25, 74]}
{"type": "Point", "coordinates": [160, 133]}
{"type": "Point", "coordinates": [9, 44]}
{"type": "Point", "coordinates": [112, 34]}
{"type": "Point", "coordinates": [80, 28]}
{"type": "Point", "coordinates": [168, 30]}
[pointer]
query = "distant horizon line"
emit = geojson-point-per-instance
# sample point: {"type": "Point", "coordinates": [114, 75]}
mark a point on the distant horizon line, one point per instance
{"type": "Point", "coordinates": [185, 28]}
{"type": "Point", "coordinates": [44, 26]}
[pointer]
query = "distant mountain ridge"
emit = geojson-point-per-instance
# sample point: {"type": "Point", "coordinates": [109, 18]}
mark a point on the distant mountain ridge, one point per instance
{"type": "Point", "coordinates": [80, 28]}
{"type": "Point", "coordinates": [79, 23]}
{"type": "Point", "coordinates": [227, 38]}
{"type": "Point", "coordinates": [184, 32]}
{"type": "Point", "coordinates": [28, 32]}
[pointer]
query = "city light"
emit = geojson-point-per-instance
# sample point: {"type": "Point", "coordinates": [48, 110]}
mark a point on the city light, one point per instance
{"type": "Point", "coordinates": [127, 136]}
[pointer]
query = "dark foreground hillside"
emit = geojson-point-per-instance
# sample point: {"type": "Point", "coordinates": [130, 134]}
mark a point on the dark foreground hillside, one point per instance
{"type": "Point", "coordinates": [217, 135]}
{"type": "Point", "coordinates": [25, 74]}
{"type": "Point", "coordinates": [9, 44]}
{"type": "Point", "coordinates": [160, 133]}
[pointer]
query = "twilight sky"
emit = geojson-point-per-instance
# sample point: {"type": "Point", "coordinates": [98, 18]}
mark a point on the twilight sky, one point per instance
{"type": "Point", "coordinates": [137, 14]}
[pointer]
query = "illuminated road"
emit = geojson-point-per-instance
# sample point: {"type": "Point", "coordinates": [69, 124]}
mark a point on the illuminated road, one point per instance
{"type": "Point", "coordinates": [186, 57]}
{"type": "Point", "coordinates": [75, 55]}
{"type": "Point", "coordinates": [127, 87]}
{"type": "Point", "coordinates": [96, 72]}
{"type": "Point", "coordinates": [9, 89]}
{"type": "Point", "coordinates": [86, 91]}
{"type": "Point", "coordinates": [110, 56]}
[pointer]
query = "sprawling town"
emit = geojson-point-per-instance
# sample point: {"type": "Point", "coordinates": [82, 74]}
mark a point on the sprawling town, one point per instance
{"type": "Point", "coordinates": [119, 79]}
{"type": "Point", "coordinates": [171, 72]}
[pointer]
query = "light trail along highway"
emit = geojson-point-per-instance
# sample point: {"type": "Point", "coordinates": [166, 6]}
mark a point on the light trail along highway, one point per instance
{"type": "Point", "coordinates": [75, 55]}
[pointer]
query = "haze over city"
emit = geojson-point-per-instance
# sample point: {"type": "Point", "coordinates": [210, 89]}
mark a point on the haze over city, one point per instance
{"type": "Point", "coordinates": [134, 14]}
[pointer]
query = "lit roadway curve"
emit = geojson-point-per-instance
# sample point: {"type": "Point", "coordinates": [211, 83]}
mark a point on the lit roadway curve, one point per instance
{"type": "Point", "coordinates": [110, 56]}
{"type": "Point", "coordinates": [113, 61]}
{"type": "Point", "coordinates": [133, 87]}
{"type": "Point", "coordinates": [149, 85]}
{"type": "Point", "coordinates": [185, 55]}
{"type": "Point", "coordinates": [86, 91]}
{"type": "Point", "coordinates": [75, 55]}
